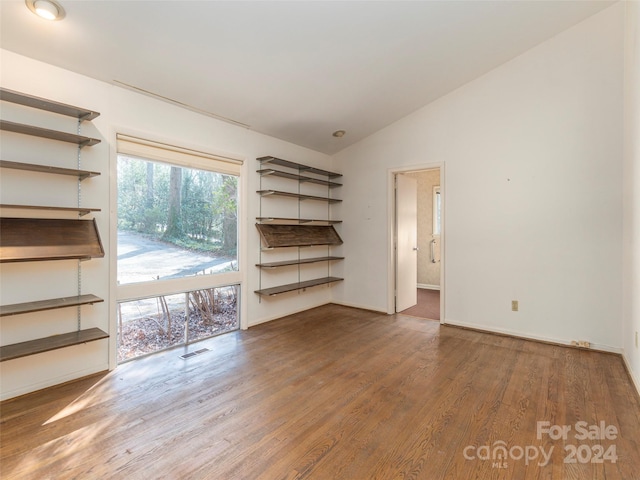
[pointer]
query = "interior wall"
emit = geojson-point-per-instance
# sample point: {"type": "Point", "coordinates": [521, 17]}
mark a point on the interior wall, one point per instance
{"type": "Point", "coordinates": [127, 112]}
{"type": "Point", "coordinates": [428, 272]}
{"type": "Point", "coordinates": [631, 246]}
{"type": "Point", "coordinates": [532, 153]}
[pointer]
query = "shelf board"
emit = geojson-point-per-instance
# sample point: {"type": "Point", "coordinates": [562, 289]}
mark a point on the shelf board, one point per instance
{"type": "Point", "coordinates": [81, 210]}
{"type": "Point", "coordinates": [296, 221]}
{"type": "Point", "coordinates": [299, 196]}
{"type": "Point", "coordinates": [50, 304]}
{"type": "Point", "coordinates": [300, 178]}
{"type": "Point", "coordinates": [302, 261]}
{"type": "Point", "coordinates": [32, 167]}
{"type": "Point", "coordinates": [48, 105]}
{"type": "Point", "coordinates": [298, 235]}
{"type": "Point", "coordinates": [291, 287]}
{"type": "Point", "coordinates": [302, 168]}
{"type": "Point", "coordinates": [56, 239]}
{"type": "Point", "coordinates": [54, 342]}
{"type": "Point", "coordinates": [79, 140]}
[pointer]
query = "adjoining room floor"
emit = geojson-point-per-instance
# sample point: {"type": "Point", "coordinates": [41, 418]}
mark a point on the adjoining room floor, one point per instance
{"type": "Point", "coordinates": [428, 305]}
{"type": "Point", "coordinates": [335, 392]}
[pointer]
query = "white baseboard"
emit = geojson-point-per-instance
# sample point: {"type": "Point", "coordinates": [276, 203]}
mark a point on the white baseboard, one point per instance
{"type": "Point", "coordinates": [282, 315]}
{"type": "Point", "coordinates": [527, 336]}
{"type": "Point", "coordinates": [362, 307]}
{"type": "Point", "coordinates": [634, 379]}
{"type": "Point", "coordinates": [50, 382]}
{"type": "Point", "coordinates": [428, 286]}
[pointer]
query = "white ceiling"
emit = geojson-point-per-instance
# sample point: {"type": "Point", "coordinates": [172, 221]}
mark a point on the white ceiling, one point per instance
{"type": "Point", "coordinates": [294, 70]}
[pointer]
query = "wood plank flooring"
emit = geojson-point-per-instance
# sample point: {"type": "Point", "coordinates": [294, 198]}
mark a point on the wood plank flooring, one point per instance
{"type": "Point", "coordinates": [333, 393]}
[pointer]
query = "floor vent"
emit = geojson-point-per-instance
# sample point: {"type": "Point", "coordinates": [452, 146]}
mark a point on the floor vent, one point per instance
{"type": "Point", "coordinates": [193, 354]}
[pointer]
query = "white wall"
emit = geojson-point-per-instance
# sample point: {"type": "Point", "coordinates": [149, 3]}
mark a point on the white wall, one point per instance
{"type": "Point", "coordinates": [631, 247]}
{"type": "Point", "coordinates": [532, 192]}
{"type": "Point", "coordinates": [121, 111]}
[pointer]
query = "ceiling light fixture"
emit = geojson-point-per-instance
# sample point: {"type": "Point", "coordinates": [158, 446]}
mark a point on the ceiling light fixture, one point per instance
{"type": "Point", "coordinates": [47, 9]}
{"type": "Point", "coordinates": [339, 133]}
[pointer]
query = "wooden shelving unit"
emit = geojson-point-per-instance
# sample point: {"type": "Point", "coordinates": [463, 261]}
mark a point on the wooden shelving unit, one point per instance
{"type": "Point", "coordinates": [79, 140]}
{"type": "Point", "coordinates": [50, 304]}
{"type": "Point", "coordinates": [287, 232]}
{"type": "Point", "coordinates": [40, 239]}
{"type": "Point", "coordinates": [56, 239]}
{"type": "Point", "coordinates": [54, 342]}
{"type": "Point", "coordinates": [291, 287]}
{"type": "Point", "coordinates": [48, 105]}
{"type": "Point", "coordinates": [82, 211]}
{"type": "Point", "coordinates": [299, 196]}
{"type": "Point", "coordinates": [32, 167]}
{"type": "Point", "coordinates": [296, 221]}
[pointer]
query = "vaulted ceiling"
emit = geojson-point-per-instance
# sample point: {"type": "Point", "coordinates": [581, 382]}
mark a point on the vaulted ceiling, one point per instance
{"type": "Point", "coordinates": [295, 70]}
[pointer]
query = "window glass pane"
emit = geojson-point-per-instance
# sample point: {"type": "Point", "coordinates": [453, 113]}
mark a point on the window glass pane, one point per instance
{"type": "Point", "coordinates": [174, 222]}
{"type": "Point", "coordinates": [212, 311]}
{"type": "Point", "coordinates": [153, 324]}
{"type": "Point", "coordinates": [150, 325]}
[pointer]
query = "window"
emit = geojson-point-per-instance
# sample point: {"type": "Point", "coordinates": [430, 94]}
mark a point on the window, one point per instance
{"type": "Point", "coordinates": [177, 267]}
{"type": "Point", "coordinates": [437, 218]}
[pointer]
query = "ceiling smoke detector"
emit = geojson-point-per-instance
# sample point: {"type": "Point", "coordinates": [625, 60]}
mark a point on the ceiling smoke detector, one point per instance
{"type": "Point", "coordinates": [339, 133]}
{"type": "Point", "coordinates": [47, 9]}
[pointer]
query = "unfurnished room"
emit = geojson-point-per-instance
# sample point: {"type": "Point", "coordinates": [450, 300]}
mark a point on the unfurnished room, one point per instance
{"type": "Point", "coordinates": [320, 239]}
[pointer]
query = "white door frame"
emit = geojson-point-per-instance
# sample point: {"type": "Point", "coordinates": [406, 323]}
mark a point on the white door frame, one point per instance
{"type": "Point", "coordinates": [391, 229]}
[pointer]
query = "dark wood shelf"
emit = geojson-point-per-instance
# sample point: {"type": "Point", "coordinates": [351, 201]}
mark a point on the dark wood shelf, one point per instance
{"type": "Point", "coordinates": [299, 196]}
{"type": "Point", "coordinates": [275, 236]}
{"type": "Point", "coordinates": [32, 167]}
{"type": "Point", "coordinates": [51, 304]}
{"type": "Point", "coordinates": [37, 239]}
{"type": "Point", "coordinates": [54, 342]}
{"type": "Point", "coordinates": [296, 221]}
{"type": "Point", "coordinates": [299, 178]}
{"type": "Point", "coordinates": [301, 168]}
{"type": "Point", "coordinates": [302, 261]}
{"type": "Point", "coordinates": [291, 287]}
{"type": "Point", "coordinates": [81, 210]}
{"type": "Point", "coordinates": [79, 140]}
{"type": "Point", "coordinates": [48, 105]}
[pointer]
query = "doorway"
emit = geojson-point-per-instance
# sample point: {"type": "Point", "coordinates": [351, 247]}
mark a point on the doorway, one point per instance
{"type": "Point", "coordinates": [417, 242]}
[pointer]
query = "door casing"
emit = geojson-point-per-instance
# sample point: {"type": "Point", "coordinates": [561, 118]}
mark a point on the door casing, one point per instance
{"type": "Point", "coordinates": [391, 231]}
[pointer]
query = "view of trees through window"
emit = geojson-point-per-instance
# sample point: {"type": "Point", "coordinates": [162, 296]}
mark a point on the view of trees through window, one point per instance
{"type": "Point", "coordinates": [174, 222]}
{"type": "Point", "coordinates": [182, 209]}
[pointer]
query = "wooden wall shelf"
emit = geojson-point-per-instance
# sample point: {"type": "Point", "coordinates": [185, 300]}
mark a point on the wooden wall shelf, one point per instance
{"type": "Point", "coordinates": [301, 261]}
{"type": "Point", "coordinates": [277, 232]}
{"type": "Point", "coordinates": [299, 196]}
{"type": "Point", "coordinates": [296, 221]}
{"type": "Point", "coordinates": [276, 236]}
{"type": "Point", "coordinates": [46, 344]}
{"type": "Point", "coordinates": [299, 178]}
{"type": "Point", "coordinates": [298, 166]}
{"type": "Point", "coordinates": [81, 210]}
{"type": "Point", "coordinates": [270, 292]}
{"type": "Point", "coordinates": [50, 304]}
{"type": "Point", "coordinates": [79, 140]}
{"type": "Point", "coordinates": [36, 239]}
{"type": "Point", "coordinates": [47, 105]}
{"type": "Point", "coordinates": [32, 167]}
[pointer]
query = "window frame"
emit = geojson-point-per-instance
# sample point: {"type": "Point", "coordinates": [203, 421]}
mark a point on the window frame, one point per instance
{"type": "Point", "coordinates": [199, 158]}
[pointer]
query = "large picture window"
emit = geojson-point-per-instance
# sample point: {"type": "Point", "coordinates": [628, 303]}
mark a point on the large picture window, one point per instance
{"type": "Point", "coordinates": [177, 244]}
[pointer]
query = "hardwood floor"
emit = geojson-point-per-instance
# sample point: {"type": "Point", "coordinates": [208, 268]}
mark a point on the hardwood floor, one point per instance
{"type": "Point", "coordinates": [334, 392]}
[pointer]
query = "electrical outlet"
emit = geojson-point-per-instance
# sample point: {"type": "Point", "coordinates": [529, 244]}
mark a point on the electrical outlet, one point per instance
{"type": "Point", "coordinates": [514, 305]}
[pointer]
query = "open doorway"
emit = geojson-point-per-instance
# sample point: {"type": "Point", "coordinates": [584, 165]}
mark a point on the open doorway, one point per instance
{"type": "Point", "coordinates": [418, 234]}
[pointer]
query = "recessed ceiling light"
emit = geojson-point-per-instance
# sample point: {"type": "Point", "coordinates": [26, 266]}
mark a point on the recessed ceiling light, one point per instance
{"type": "Point", "coordinates": [339, 133]}
{"type": "Point", "coordinates": [47, 9]}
